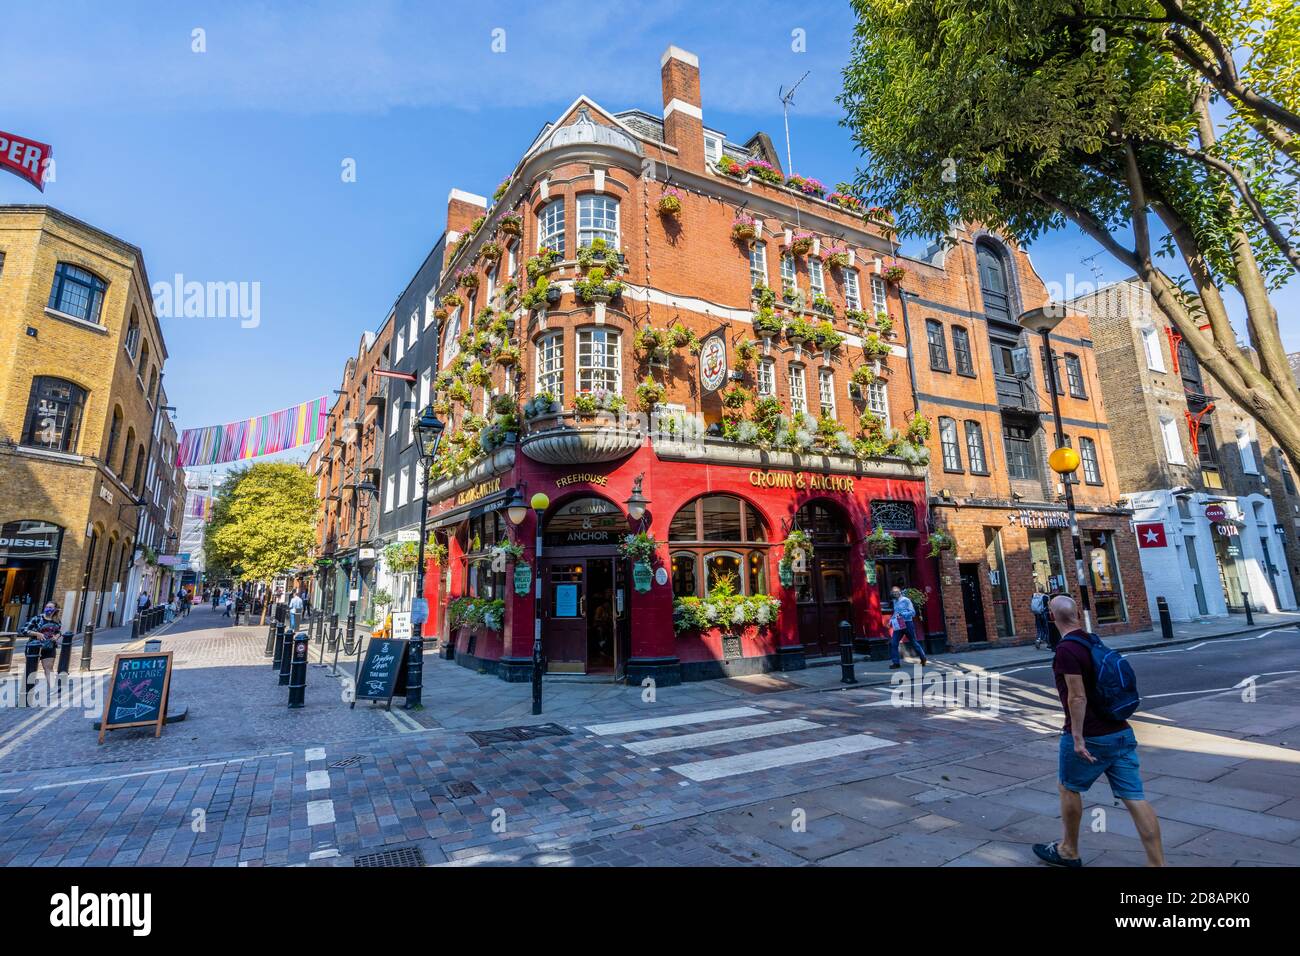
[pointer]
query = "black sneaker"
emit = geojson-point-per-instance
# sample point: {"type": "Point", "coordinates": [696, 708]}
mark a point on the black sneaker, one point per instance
{"type": "Point", "coordinates": [894, 667]}
{"type": "Point", "coordinates": [1048, 853]}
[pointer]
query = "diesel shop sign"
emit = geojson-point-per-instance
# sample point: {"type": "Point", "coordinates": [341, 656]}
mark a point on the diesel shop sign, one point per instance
{"type": "Point", "coordinates": [30, 539]}
{"type": "Point", "coordinates": [25, 158]}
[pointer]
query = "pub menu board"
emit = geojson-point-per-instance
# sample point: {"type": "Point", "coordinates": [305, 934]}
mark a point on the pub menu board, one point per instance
{"type": "Point", "coordinates": [137, 692]}
{"type": "Point", "coordinates": [383, 672]}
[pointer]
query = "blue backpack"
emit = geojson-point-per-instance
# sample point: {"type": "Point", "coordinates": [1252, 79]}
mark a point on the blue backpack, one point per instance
{"type": "Point", "coordinates": [1115, 684]}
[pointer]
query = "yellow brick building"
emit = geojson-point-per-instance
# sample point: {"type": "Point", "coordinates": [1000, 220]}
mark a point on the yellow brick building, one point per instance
{"type": "Point", "coordinates": [81, 359]}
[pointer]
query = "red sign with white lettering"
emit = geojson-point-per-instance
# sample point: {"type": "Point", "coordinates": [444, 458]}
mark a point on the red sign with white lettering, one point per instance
{"type": "Point", "coordinates": [1216, 513]}
{"type": "Point", "coordinates": [25, 158]}
{"type": "Point", "coordinates": [1151, 535]}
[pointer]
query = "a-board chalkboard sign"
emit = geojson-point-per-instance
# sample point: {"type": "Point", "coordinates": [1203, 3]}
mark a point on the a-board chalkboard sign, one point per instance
{"type": "Point", "coordinates": [383, 672]}
{"type": "Point", "coordinates": [137, 692]}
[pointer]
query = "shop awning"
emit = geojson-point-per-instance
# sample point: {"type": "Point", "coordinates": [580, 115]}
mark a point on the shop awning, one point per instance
{"type": "Point", "coordinates": [491, 502]}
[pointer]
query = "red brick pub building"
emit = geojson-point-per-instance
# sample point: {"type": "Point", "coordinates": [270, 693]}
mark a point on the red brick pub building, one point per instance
{"type": "Point", "coordinates": [688, 292]}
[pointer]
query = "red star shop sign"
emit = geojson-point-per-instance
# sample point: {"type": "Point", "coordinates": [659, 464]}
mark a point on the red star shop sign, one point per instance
{"type": "Point", "coordinates": [1151, 535]}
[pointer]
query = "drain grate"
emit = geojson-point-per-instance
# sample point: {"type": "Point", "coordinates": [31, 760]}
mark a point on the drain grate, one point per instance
{"type": "Point", "coordinates": [347, 761]}
{"type": "Point", "coordinates": [542, 730]}
{"type": "Point", "coordinates": [485, 738]}
{"type": "Point", "coordinates": [463, 788]}
{"type": "Point", "coordinates": [403, 856]}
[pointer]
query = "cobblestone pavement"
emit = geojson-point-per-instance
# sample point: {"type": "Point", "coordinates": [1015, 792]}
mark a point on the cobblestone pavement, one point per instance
{"type": "Point", "coordinates": [715, 775]}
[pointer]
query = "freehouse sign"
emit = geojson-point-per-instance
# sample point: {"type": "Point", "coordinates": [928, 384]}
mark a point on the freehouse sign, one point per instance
{"type": "Point", "coordinates": [800, 480]}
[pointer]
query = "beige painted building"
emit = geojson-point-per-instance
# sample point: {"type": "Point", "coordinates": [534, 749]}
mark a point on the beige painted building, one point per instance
{"type": "Point", "coordinates": [81, 365]}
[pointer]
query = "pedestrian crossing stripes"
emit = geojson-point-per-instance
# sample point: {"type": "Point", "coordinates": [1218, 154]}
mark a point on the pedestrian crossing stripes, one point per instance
{"type": "Point", "coordinates": [718, 767]}
{"type": "Point", "coordinates": [678, 720]}
{"type": "Point", "coordinates": [709, 738]}
{"type": "Point", "coordinates": [734, 764]}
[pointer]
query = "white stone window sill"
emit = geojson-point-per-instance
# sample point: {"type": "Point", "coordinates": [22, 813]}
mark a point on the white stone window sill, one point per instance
{"type": "Point", "coordinates": [52, 455]}
{"type": "Point", "coordinates": [92, 326]}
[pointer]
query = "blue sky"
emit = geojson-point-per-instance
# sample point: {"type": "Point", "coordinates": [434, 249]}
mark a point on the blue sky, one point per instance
{"type": "Point", "coordinates": [225, 165]}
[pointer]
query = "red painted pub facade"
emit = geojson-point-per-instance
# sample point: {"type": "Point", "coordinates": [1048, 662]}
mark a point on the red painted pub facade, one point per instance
{"type": "Point", "coordinates": [645, 300]}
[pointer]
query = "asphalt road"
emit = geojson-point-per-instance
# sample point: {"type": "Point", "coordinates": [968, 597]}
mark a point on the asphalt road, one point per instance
{"type": "Point", "coordinates": [1184, 672]}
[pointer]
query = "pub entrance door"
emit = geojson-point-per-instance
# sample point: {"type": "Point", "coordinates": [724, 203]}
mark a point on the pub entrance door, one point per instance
{"type": "Point", "coordinates": [822, 589]}
{"type": "Point", "coordinates": [584, 591]}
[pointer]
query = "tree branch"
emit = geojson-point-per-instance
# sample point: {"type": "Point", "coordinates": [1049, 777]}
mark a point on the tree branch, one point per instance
{"type": "Point", "coordinates": [1085, 220]}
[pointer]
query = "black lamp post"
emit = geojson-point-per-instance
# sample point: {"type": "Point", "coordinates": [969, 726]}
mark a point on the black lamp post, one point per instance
{"type": "Point", "coordinates": [1063, 460]}
{"type": "Point", "coordinates": [429, 431]}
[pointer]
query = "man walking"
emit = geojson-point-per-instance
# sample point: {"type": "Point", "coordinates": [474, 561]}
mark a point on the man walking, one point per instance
{"type": "Point", "coordinates": [1091, 744]}
{"type": "Point", "coordinates": [295, 611]}
{"type": "Point", "coordinates": [902, 625]}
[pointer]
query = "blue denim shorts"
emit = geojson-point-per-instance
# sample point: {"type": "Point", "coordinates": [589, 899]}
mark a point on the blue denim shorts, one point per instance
{"type": "Point", "coordinates": [1116, 756]}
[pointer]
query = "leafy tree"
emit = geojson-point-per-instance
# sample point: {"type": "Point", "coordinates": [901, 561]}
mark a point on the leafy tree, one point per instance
{"type": "Point", "coordinates": [1028, 114]}
{"type": "Point", "coordinates": [263, 521]}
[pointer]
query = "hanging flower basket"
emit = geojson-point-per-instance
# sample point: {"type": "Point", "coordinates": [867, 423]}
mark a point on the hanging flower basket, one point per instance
{"type": "Point", "coordinates": [511, 225]}
{"type": "Point", "coordinates": [895, 274]}
{"type": "Point", "coordinates": [744, 229]}
{"type": "Point", "coordinates": [467, 280]}
{"type": "Point", "coordinates": [670, 204]}
{"type": "Point", "coordinates": [801, 244]}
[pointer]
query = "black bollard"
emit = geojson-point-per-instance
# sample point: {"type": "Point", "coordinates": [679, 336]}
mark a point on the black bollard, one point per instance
{"type": "Point", "coordinates": [135, 627]}
{"type": "Point", "coordinates": [298, 670]}
{"type": "Point", "coordinates": [279, 640]}
{"type": "Point", "coordinates": [537, 673]}
{"type": "Point", "coordinates": [271, 642]}
{"type": "Point", "coordinates": [286, 656]}
{"type": "Point", "coordinates": [87, 646]}
{"type": "Point", "coordinates": [1250, 617]}
{"type": "Point", "coordinates": [332, 630]}
{"type": "Point", "coordinates": [31, 663]}
{"type": "Point", "coordinates": [846, 654]}
{"type": "Point", "coordinates": [65, 653]}
{"type": "Point", "coordinates": [1166, 623]}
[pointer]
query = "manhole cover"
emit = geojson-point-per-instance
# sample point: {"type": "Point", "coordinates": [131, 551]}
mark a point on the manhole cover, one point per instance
{"type": "Point", "coordinates": [347, 761]}
{"type": "Point", "coordinates": [542, 730]}
{"type": "Point", "coordinates": [404, 856]}
{"type": "Point", "coordinates": [464, 788]}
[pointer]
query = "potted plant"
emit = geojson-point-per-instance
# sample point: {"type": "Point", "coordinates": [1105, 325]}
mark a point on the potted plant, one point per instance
{"type": "Point", "coordinates": [801, 243]}
{"type": "Point", "coordinates": [895, 274]}
{"type": "Point", "coordinates": [490, 251]}
{"type": "Point", "coordinates": [940, 541]}
{"type": "Point", "coordinates": [766, 323]}
{"type": "Point", "coordinates": [467, 279]}
{"type": "Point", "coordinates": [884, 323]}
{"type": "Point", "coordinates": [451, 301]}
{"type": "Point", "coordinates": [744, 228]}
{"type": "Point", "coordinates": [863, 378]}
{"type": "Point", "coordinates": [736, 397]}
{"type": "Point", "coordinates": [507, 355]}
{"type": "Point", "coordinates": [826, 338]}
{"type": "Point", "coordinates": [799, 330]}
{"type": "Point", "coordinates": [729, 167]}
{"type": "Point", "coordinates": [545, 260]}
{"type": "Point", "coordinates": [543, 403]}
{"type": "Point", "coordinates": [873, 348]}
{"type": "Point", "coordinates": [822, 304]}
{"type": "Point", "coordinates": [642, 549]}
{"type": "Point", "coordinates": [670, 203]}
{"type": "Point", "coordinates": [765, 296]}
{"type": "Point", "coordinates": [649, 394]}
{"type": "Point", "coordinates": [856, 318]}
{"type": "Point", "coordinates": [511, 224]}
{"type": "Point", "coordinates": [835, 257]}
{"type": "Point", "coordinates": [594, 287]}
{"type": "Point", "coordinates": [584, 405]}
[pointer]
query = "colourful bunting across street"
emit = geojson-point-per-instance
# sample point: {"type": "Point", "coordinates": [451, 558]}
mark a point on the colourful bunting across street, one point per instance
{"type": "Point", "coordinates": [253, 437]}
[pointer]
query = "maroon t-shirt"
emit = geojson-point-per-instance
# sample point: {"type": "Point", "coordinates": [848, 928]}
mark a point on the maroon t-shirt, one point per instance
{"type": "Point", "coordinates": [1074, 658]}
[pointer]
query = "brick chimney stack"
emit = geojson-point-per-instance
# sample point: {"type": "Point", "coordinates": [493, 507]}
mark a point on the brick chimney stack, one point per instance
{"type": "Point", "coordinates": [462, 209]}
{"type": "Point", "coordinates": [683, 118]}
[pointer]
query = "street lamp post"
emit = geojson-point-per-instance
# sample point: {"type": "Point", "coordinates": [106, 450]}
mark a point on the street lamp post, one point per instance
{"type": "Point", "coordinates": [357, 487]}
{"type": "Point", "coordinates": [429, 430]}
{"type": "Point", "coordinates": [1063, 460]}
{"type": "Point", "coordinates": [540, 503]}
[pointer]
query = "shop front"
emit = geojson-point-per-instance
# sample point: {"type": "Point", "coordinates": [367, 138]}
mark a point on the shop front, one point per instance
{"type": "Point", "coordinates": [717, 600]}
{"type": "Point", "coordinates": [29, 562]}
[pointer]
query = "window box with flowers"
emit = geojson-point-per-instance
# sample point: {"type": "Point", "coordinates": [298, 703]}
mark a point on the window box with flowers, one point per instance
{"type": "Point", "coordinates": [670, 203]}
{"type": "Point", "coordinates": [844, 198]}
{"type": "Point", "coordinates": [800, 330]}
{"type": "Point", "coordinates": [744, 228]}
{"type": "Point", "coordinates": [873, 348]}
{"type": "Point", "coordinates": [541, 405]}
{"type": "Point", "coordinates": [599, 251]}
{"type": "Point", "coordinates": [822, 304]}
{"type": "Point", "coordinates": [587, 404]}
{"type": "Point", "coordinates": [881, 542]}
{"type": "Point", "coordinates": [826, 338]}
{"type": "Point", "coordinates": [724, 609]}
{"type": "Point", "coordinates": [540, 296]}
{"type": "Point", "coordinates": [475, 613]}
{"type": "Point", "coordinates": [767, 324]}
{"type": "Point", "coordinates": [502, 188]}
{"type": "Point", "coordinates": [594, 287]}
{"type": "Point", "coordinates": [806, 185]}
{"type": "Point", "coordinates": [856, 318]}
{"type": "Point", "coordinates": [885, 324]}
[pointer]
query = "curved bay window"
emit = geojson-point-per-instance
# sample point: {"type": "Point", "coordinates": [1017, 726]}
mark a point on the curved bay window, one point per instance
{"type": "Point", "coordinates": [77, 293]}
{"type": "Point", "coordinates": [53, 414]}
{"type": "Point", "coordinates": [600, 362]}
{"type": "Point", "coordinates": [718, 538]}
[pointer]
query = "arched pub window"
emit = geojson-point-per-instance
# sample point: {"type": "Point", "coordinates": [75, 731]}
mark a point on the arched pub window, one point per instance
{"type": "Point", "coordinates": [894, 570]}
{"type": "Point", "coordinates": [716, 537]}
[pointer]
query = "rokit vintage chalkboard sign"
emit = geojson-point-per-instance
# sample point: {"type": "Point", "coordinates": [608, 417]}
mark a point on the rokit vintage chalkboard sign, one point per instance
{"type": "Point", "coordinates": [137, 692]}
{"type": "Point", "coordinates": [383, 672]}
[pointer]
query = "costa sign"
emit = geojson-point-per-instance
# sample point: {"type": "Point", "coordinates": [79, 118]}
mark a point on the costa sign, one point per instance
{"type": "Point", "coordinates": [1216, 513]}
{"type": "Point", "coordinates": [25, 158]}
